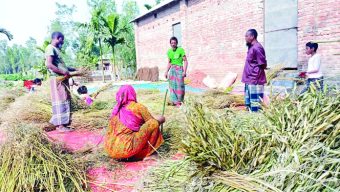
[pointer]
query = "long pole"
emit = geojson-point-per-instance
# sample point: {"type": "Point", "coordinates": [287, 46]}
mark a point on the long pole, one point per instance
{"type": "Point", "coordinates": [166, 93]}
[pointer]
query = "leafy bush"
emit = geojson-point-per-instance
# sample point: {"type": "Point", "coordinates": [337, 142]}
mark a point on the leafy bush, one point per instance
{"type": "Point", "coordinates": [16, 77]}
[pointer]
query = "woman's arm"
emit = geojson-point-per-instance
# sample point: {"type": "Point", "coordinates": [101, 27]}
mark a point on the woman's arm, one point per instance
{"type": "Point", "coordinates": [185, 66]}
{"type": "Point", "coordinates": [146, 115]}
{"type": "Point", "coordinates": [167, 69]}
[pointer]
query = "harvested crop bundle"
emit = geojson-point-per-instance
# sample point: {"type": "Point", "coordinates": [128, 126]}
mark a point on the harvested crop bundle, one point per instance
{"type": "Point", "coordinates": [29, 163]}
{"type": "Point", "coordinates": [293, 146]}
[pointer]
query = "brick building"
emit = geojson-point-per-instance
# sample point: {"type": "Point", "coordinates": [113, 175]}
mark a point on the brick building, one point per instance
{"type": "Point", "coordinates": [212, 33]}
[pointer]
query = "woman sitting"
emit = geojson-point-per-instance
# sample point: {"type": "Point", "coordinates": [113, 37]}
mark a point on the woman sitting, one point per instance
{"type": "Point", "coordinates": [133, 133]}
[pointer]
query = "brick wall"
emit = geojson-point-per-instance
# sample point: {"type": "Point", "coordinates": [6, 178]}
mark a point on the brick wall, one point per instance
{"type": "Point", "coordinates": [319, 20]}
{"type": "Point", "coordinates": [213, 33]}
{"type": "Point", "coordinates": [152, 37]}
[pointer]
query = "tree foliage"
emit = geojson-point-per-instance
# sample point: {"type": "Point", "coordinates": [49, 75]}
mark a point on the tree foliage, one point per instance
{"type": "Point", "coordinates": [108, 34]}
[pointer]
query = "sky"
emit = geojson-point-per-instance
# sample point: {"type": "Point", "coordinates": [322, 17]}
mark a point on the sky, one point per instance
{"type": "Point", "coordinates": [31, 18]}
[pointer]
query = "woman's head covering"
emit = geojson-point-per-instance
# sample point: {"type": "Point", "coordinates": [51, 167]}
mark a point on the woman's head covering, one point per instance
{"type": "Point", "coordinates": [125, 95]}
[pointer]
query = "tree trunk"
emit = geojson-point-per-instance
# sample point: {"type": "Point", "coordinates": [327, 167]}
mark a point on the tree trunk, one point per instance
{"type": "Point", "coordinates": [101, 60]}
{"type": "Point", "coordinates": [113, 64]}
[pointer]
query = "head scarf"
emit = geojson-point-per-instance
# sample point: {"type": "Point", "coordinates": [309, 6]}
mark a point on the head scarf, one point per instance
{"type": "Point", "coordinates": [125, 95]}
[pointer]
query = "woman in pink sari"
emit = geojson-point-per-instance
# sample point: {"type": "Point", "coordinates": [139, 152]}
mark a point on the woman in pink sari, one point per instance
{"type": "Point", "coordinates": [133, 132]}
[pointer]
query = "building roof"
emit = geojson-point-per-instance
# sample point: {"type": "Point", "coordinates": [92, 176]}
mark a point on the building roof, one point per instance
{"type": "Point", "coordinates": [153, 9]}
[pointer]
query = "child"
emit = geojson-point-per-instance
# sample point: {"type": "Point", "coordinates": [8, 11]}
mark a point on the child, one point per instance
{"type": "Point", "coordinates": [313, 73]}
{"type": "Point", "coordinates": [72, 83]}
{"type": "Point", "coordinates": [31, 84]}
{"type": "Point", "coordinates": [82, 90]}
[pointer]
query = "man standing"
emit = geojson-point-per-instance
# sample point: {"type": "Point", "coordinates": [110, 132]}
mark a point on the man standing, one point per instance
{"type": "Point", "coordinates": [61, 98]}
{"type": "Point", "coordinates": [254, 76]}
{"type": "Point", "coordinates": [175, 72]}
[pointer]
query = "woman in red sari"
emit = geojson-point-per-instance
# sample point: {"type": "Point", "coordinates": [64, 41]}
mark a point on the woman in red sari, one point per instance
{"type": "Point", "coordinates": [133, 132]}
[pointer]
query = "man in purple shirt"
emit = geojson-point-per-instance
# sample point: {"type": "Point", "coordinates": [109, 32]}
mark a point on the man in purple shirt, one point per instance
{"type": "Point", "coordinates": [254, 76]}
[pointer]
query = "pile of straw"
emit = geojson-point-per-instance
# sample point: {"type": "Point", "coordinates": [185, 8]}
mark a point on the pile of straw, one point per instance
{"type": "Point", "coordinates": [215, 99]}
{"type": "Point", "coordinates": [5, 101]}
{"type": "Point", "coordinates": [29, 163]}
{"type": "Point", "coordinates": [163, 178]}
{"type": "Point", "coordinates": [91, 118]}
{"type": "Point", "coordinates": [8, 96]}
{"type": "Point", "coordinates": [29, 108]}
{"type": "Point", "coordinates": [293, 146]}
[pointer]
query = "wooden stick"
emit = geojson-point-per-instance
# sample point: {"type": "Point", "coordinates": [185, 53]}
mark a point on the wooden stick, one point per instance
{"type": "Point", "coordinates": [166, 93]}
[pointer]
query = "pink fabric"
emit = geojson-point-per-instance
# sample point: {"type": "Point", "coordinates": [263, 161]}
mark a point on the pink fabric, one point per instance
{"type": "Point", "coordinates": [125, 178]}
{"type": "Point", "coordinates": [124, 97]}
{"type": "Point", "coordinates": [77, 140]}
{"type": "Point", "coordinates": [88, 100]}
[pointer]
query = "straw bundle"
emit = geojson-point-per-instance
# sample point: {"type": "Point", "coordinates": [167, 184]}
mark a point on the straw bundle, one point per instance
{"type": "Point", "coordinates": [219, 100]}
{"type": "Point", "coordinates": [294, 146]}
{"type": "Point", "coordinates": [29, 108]}
{"type": "Point", "coordinates": [8, 96]}
{"type": "Point", "coordinates": [91, 118]}
{"type": "Point", "coordinates": [82, 72]}
{"type": "Point", "coordinates": [296, 151]}
{"type": "Point", "coordinates": [5, 101]}
{"type": "Point", "coordinates": [159, 180]}
{"type": "Point", "coordinates": [29, 163]}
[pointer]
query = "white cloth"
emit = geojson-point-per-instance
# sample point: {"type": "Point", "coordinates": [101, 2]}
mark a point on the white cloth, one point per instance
{"type": "Point", "coordinates": [314, 67]}
{"type": "Point", "coordinates": [210, 82]}
{"type": "Point", "coordinates": [227, 81]}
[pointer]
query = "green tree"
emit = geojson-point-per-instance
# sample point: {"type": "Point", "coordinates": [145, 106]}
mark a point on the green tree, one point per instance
{"type": "Point", "coordinates": [126, 53]}
{"type": "Point", "coordinates": [107, 6]}
{"type": "Point", "coordinates": [95, 35]}
{"type": "Point", "coordinates": [64, 22]}
{"type": "Point", "coordinates": [113, 36]}
{"type": "Point", "coordinates": [40, 66]}
{"type": "Point", "coordinates": [18, 59]}
{"type": "Point", "coordinates": [88, 53]}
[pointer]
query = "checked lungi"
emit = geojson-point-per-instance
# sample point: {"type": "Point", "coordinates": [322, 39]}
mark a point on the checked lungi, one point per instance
{"type": "Point", "coordinates": [61, 102]}
{"type": "Point", "coordinates": [253, 96]}
{"type": "Point", "coordinates": [176, 82]}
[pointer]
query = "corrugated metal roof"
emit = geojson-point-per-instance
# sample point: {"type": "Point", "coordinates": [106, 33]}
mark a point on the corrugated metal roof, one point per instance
{"type": "Point", "coordinates": [162, 4]}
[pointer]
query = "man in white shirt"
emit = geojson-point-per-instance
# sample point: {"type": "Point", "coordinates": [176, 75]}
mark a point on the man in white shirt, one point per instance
{"type": "Point", "coordinates": [314, 73]}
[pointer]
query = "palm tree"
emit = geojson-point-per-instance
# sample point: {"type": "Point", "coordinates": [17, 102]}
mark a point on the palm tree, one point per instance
{"type": "Point", "coordinates": [95, 32]}
{"type": "Point", "coordinates": [7, 33]}
{"type": "Point", "coordinates": [113, 36]}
